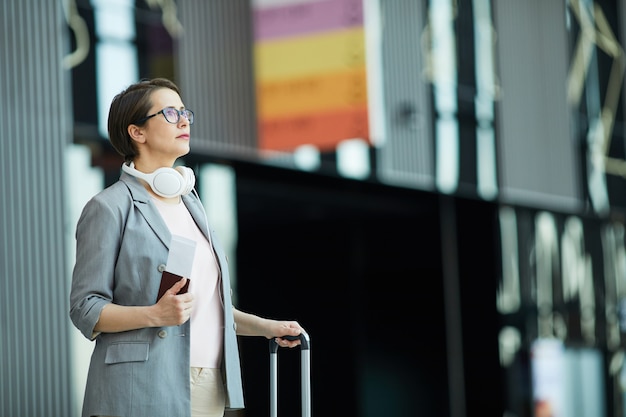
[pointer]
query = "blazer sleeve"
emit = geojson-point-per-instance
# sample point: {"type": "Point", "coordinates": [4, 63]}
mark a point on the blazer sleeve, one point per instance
{"type": "Point", "coordinates": [98, 235]}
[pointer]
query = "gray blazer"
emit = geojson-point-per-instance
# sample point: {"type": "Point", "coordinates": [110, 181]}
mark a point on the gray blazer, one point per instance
{"type": "Point", "coordinates": [122, 248]}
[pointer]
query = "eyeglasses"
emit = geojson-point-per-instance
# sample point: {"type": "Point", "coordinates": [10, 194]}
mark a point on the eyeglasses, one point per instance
{"type": "Point", "coordinates": [171, 114]}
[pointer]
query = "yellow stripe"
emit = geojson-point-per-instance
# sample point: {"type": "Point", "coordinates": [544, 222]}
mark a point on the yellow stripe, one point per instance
{"type": "Point", "coordinates": [307, 55]}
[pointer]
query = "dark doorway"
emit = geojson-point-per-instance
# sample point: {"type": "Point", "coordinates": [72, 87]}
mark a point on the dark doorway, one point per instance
{"type": "Point", "coordinates": [359, 265]}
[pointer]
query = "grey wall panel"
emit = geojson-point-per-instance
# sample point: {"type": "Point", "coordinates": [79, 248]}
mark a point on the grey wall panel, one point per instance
{"type": "Point", "coordinates": [34, 115]}
{"type": "Point", "coordinates": [538, 160]}
{"type": "Point", "coordinates": [215, 71]}
{"type": "Point", "coordinates": [407, 157]}
{"type": "Point", "coordinates": [621, 34]}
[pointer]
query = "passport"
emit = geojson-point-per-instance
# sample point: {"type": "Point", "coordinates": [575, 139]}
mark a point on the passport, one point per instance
{"type": "Point", "coordinates": [179, 264]}
{"type": "Point", "coordinates": [167, 280]}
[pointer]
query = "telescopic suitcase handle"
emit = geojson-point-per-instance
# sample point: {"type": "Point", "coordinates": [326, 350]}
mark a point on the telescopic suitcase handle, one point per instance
{"type": "Point", "coordinates": [305, 371]}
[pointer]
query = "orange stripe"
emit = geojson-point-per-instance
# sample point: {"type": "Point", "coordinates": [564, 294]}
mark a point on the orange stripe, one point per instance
{"type": "Point", "coordinates": [338, 90]}
{"type": "Point", "coordinates": [324, 130]}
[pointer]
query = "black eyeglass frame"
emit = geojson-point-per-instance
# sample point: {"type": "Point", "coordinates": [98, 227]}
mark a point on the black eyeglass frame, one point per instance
{"type": "Point", "coordinates": [186, 113]}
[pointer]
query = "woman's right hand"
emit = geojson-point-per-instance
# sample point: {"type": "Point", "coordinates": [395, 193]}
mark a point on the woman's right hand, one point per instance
{"type": "Point", "coordinates": [174, 309]}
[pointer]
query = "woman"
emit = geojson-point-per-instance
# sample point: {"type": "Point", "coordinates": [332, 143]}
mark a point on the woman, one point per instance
{"type": "Point", "coordinates": [176, 355]}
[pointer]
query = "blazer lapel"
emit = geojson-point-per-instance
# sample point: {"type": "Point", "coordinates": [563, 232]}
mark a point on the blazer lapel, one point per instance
{"type": "Point", "coordinates": [196, 210]}
{"type": "Point", "coordinates": [141, 200]}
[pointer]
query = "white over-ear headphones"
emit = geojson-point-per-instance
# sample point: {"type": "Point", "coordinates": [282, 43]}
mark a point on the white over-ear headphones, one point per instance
{"type": "Point", "coordinates": [166, 182]}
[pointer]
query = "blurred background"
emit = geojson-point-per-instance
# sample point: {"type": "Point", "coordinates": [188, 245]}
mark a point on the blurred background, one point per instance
{"type": "Point", "coordinates": [434, 189]}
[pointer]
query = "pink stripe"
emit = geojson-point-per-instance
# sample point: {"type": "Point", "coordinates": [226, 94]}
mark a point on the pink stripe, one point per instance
{"type": "Point", "coordinates": [299, 19]}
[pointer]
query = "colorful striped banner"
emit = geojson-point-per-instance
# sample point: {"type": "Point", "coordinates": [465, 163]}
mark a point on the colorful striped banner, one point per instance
{"type": "Point", "coordinates": [310, 73]}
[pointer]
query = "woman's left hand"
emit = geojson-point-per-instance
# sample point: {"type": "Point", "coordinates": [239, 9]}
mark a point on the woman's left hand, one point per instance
{"type": "Point", "coordinates": [287, 328]}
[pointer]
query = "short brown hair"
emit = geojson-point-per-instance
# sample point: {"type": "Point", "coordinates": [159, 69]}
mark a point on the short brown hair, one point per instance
{"type": "Point", "coordinates": [129, 106]}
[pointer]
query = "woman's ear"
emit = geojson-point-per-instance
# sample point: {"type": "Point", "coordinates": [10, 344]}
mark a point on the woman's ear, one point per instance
{"type": "Point", "coordinates": [136, 133]}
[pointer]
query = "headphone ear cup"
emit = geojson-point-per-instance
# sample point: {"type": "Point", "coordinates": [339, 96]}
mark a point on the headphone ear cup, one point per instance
{"type": "Point", "coordinates": [189, 179]}
{"type": "Point", "coordinates": [167, 182]}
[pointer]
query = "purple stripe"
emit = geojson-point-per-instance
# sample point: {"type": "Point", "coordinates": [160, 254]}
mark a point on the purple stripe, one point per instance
{"type": "Point", "coordinates": [303, 18]}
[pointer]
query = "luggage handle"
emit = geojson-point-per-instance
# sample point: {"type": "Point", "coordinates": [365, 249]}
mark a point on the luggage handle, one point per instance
{"type": "Point", "coordinates": [305, 371]}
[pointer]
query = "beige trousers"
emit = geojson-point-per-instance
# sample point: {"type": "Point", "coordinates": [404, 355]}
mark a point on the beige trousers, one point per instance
{"type": "Point", "coordinates": [207, 392]}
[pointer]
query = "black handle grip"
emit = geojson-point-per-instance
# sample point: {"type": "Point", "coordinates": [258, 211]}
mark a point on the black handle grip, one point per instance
{"type": "Point", "coordinates": [305, 342]}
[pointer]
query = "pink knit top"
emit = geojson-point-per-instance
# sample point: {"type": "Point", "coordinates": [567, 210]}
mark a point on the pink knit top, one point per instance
{"type": "Point", "coordinates": [207, 317]}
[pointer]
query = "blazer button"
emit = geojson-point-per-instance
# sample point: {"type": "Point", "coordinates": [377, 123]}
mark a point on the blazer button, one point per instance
{"type": "Point", "coordinates": [162, 334]}
{"type": "Point", "coordinates": [161, 268]}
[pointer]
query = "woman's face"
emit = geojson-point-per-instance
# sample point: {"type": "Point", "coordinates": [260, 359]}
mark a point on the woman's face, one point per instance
{"type": "Point", "coordinates": [164, 142]}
